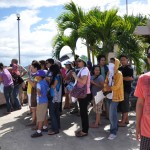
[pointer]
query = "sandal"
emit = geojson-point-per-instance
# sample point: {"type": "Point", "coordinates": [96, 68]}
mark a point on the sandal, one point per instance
{"type": "Point", "coordinates": [94, 126]}
{"type": "Point", "coordinates": [81, 134]}
{"type": "Point", "coordinates": [52, 132]}
{"type": "Point", "coordinates": [122, 125]}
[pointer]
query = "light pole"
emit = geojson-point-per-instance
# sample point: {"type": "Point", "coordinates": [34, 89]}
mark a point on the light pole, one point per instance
{"type": "Point", "coordinates": [127, 7]}
{"type": "Point", "coordinates": [18, 19]}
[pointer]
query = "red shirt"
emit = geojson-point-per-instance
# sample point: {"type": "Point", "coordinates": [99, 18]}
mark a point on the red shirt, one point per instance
{"type": "Point", "coordinates": [143, 91]}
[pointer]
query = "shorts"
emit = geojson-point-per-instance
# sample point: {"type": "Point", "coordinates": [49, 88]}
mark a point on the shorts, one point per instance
{"type": "Point", "coordinates": [41, 112]}
{"type": "Point", "coordinates": [29, 100]}
{"type": "Point", "coordinates": [145, 143]}
{"type": "Point", "coordinates": [97, 108]}
{"type": "Point", "coordinates": [124, 105]}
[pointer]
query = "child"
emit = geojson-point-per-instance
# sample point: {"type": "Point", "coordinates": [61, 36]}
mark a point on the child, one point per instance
{"type": "Point", "coordinates": [97, 83]}
{"type": "Point", "coordinates": [42, 103]}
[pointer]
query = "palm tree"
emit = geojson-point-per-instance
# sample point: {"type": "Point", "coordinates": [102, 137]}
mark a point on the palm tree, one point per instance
{"type": "Point", "coordinates": [61, 40]}
{"type": "Point", "coordinates": [99, 26]}
{"type": "Point", "coordinates": [130, 44]}
{"type": "Point", "coordinates": [70, 19]}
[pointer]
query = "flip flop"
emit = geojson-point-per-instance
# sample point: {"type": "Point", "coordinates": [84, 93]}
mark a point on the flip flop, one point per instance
{"type": "Point", "coordinates": [81, 134]}
{"type": "Point", "coordinates": [94, 126]}
{"type": "Point", "coordinates": [52, 133]}
{"type": "Point", "coordinates": [121, 125]}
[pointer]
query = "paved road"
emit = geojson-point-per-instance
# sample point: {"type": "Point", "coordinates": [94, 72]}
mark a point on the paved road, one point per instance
{"type": "Point", "coordinates": [15, 136]}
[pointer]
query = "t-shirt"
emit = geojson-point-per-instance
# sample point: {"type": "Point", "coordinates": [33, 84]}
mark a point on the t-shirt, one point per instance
{"type": "Point", "coordinates": [127, 71]}
{"type": "Point", "coordinates": [95, 89]}
{"type": "Point", "coordinates": [85, 72]}
{"type": "Point", "coordinates": [29, 88]}
{"type": "Point", "coordinates": [103, 72]}
{"type": "Point", "coordinates": [43, 86]}
{"type": "Point", "coordinates": [6, 77]}
{"type": "Point", "coordinates": [57, 92]}
{"type": "Point", "coordinates": [143, 91]}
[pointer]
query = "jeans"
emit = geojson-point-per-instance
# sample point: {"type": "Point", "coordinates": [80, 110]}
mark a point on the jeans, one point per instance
{"type": "Point", "coordinates": [7, 93]}
{"type": "Point", "coordinates": [55, 115]}
{"type": "Point", "coordinates": [83, 103]}
{"type": "Point", "coordinates": [113, 116]}
{"type": "Point", "coordinates": [15, 97]}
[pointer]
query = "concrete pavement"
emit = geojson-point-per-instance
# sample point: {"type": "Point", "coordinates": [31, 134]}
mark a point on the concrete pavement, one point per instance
{"type": "Point", "coordinates": [14, 135]}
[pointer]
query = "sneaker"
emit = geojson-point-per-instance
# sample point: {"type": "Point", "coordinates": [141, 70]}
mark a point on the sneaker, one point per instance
{"type": "Point", "coordinates": [74, 111]}
{"type": "Point", "coordinates": [112, 137]}
{"type": "Point", "coordinates": [45, 130]}
{"type": "Point", "coordinates": [36, 134]}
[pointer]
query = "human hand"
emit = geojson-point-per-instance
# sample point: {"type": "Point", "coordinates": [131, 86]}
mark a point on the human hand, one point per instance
{"type": "Point", "coordinates": [138, 133]}
{"type": "Point", "coordinates": [108, 88]}
{"type": "Point", "coordinates": [74, 75]}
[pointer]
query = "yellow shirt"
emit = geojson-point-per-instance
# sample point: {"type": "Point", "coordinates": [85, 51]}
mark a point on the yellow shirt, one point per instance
{"type": "Point", "coordinates": [30, 86]}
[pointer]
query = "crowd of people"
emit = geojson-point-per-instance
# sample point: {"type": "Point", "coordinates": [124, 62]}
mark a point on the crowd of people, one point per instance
{"type": "Point", "coordinates": [106, 87]}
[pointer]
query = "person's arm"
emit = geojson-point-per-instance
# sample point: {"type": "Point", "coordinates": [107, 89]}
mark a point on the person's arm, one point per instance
{"type": "Point", "coordinates": [33, 83]}
{"type": "Point", "coordinates": [23, 71]}
{"type": "Point", "coordinates": [54, 85]}
{"type": "Point", "coordinates": [39, 92]}
{"type": "Point", "coordinates": [129, 75]}
{"type": "Point", "coordinates": [128, 78]}
{"type": "Point", "coordinates": [82, 79]}
{"type": "Point", "coordinates": [139, 112]}
{"type": "Point", "coordinates": [117, 82]}
{"type": "Point", "coordinates": [1, 79]}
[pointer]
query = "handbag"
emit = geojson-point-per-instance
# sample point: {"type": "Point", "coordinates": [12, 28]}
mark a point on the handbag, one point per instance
{"type": "Point", "coordinates": [78, 91]}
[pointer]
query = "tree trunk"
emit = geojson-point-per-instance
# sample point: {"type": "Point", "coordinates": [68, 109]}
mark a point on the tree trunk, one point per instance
{"type": "Point", "coordinates": [93, 61]}
{"type": "Point", "coordinates": [74, 55]}
{"type": "Point", "coordinates": [88, 50]}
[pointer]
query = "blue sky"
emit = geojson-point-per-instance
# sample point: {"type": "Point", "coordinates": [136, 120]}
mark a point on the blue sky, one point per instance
{"type": "Point", "coordinates": [38, 25]}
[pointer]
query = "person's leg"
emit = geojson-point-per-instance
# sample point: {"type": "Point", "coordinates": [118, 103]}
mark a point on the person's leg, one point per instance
{"type": "Point", "coordinates": [15, 97]}
{"type": "Point", "coordinates": [57, 105]}
{"type": "Point", "coordinates": [54, 121]}
{"type": "Point", "coordinates": [145, 143]}
{"type": "Point", "coordinates": [125, 110]}
{"type": "Point", "coordinates": [67, 103]}
{"type": "Point", "coordinates": [113, 117]}
{"type": "Point", "coordinates": [33, 114]}
{"type": "Point", "coordinates": [7, 94]}
{"type": "Point", "coordinates": [83, 103]}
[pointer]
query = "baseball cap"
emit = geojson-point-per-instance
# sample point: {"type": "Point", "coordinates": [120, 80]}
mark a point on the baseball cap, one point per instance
{"type": "Point", "coordinates": [40, 73]}
{"type": "Point", "coordinates": [68, 63]}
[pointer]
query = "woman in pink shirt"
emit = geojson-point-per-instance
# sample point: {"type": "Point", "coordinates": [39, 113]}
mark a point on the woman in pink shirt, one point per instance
{"type": "Point", "coordinates": [83, 78]}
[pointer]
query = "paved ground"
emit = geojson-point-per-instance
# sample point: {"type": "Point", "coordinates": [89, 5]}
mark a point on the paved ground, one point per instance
{"type": "Point", "coordinates": [15, 136]}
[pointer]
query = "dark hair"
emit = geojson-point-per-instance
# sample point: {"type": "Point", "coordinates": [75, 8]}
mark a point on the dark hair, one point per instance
{"type": "Point", "coordinates": [50, 60]}
{"type": "Point", "coordinates": [100, 56]}
{"type": "Point", "coordinates": [36, 64]}
{"type": "Point", "coordinates": [43, 63]}
{"type": "Point", "coordinates": [93, 68]}
{"type": "Point", "coordinates": [55, 70]}
{"type": "Point", "coordinates": [123, 56]}
{"type": "Point", "coordinates": [1, 66]}
{"type": "Point", "coordinates": [15, 61]}
{"type": "Point", "coordinates": [112, 59]}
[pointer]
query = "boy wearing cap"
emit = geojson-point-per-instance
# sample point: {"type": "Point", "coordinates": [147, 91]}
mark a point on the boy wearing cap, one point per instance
{"type": "Point", "coordinates": [42, 103]}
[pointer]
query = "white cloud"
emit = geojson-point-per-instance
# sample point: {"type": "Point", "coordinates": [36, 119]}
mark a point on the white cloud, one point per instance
{"type": "Point", "coordinates": [35, 44]}
{"type": "Point", "coordinates": [36, 36]}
